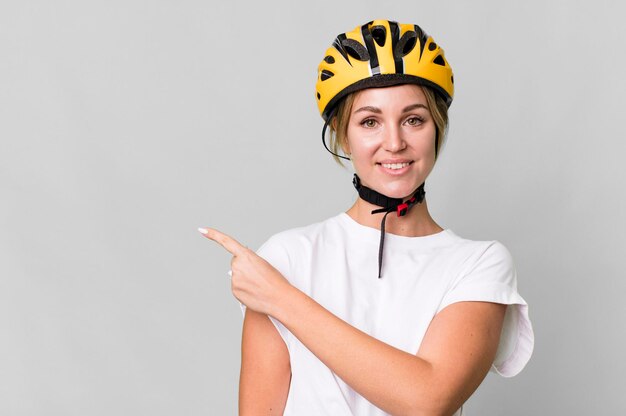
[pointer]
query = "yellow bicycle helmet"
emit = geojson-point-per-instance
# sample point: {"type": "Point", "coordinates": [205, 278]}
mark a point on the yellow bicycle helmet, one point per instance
{"type": "Point", "coordinates": [381, 53]}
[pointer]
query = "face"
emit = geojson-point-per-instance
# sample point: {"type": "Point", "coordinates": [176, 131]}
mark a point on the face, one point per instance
{"type": "Point", "coordinates": [391, 139]}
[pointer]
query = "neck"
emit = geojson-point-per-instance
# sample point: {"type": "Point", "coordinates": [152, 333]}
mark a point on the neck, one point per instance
{"type": "Point", "coordinates": [416, 223]}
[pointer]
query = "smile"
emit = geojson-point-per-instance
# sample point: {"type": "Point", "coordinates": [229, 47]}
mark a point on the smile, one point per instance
{"type": "Point", "coordinates": [395, 165]}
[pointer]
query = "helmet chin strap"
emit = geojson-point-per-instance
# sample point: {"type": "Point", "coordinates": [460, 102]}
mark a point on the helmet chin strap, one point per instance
{"type": "Point", "coordinates": [388, 205]}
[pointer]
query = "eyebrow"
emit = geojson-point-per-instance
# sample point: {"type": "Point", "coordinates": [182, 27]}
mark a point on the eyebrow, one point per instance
{"type": "Point", "coordinates": [378, 110]}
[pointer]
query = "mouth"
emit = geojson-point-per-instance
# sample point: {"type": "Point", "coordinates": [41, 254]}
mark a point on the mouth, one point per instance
{"type": "Point", "coordinates": [395, 166]}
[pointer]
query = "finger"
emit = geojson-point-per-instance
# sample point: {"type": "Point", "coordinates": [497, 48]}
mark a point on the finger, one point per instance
{"type": "Point", "coordinates": [226, 241]}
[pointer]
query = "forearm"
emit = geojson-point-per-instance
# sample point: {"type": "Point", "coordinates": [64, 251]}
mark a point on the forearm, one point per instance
{"type": "Point", "coordinates": [396, 381]}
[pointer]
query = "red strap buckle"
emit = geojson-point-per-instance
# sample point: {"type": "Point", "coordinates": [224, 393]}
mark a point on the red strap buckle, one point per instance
{"type": "Point", "coordinates": [404, 207]}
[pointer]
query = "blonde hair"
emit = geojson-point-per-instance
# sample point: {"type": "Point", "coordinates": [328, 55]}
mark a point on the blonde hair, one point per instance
{"type": "Point", "coordinates": [339, 123]}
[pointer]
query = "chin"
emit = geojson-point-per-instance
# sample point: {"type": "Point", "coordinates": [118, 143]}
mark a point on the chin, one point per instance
{"type": "Point", "coordinates": [399, 191]}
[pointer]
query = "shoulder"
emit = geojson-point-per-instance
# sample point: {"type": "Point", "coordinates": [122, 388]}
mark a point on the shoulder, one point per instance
{"type": "Point", "coordinates": [483, 266]}
{"type": "Point", "coordinates": [476, 252]}
{"type": "Point", "coordinates": [483, 262]}
{"type": "Point", "coordinates": [293, 235]}
{"type": "Point", "coordinates": [294, 241]}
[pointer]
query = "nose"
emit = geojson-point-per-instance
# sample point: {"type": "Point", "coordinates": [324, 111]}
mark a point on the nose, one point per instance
{"type": "Point", "coordinates": [393, 141]}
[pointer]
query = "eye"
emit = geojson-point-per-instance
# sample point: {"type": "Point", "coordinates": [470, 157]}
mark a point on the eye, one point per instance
{"type": "Point", "coordinates": [369, 123]}
{"type": "Point", "coordinates": [414, 121]}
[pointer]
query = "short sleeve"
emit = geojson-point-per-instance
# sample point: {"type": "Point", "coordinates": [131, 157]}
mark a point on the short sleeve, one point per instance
{"type": "Point", "coordinates": [491, 277]}
{"type": "Point", "coordinates": [275, 254]}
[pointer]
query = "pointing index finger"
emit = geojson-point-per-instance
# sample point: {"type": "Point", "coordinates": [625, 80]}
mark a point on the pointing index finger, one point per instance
{"type": "Point", "coordinates": [230, 244]}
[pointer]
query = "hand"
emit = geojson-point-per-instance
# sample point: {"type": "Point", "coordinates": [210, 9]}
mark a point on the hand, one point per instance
{"type": "Point", "coordinates": [255, 282]}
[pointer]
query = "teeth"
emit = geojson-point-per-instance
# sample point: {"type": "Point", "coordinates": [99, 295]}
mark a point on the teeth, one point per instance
{"type": "Point", "coordinates": [394, 165]}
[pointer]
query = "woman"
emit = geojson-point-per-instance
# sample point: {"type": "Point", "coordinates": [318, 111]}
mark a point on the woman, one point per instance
{"type": "Point", "coordinates": [368, 313]}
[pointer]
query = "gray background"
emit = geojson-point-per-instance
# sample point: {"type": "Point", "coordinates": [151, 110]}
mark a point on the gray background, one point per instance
{"type": "Point", "coordinates": [124, 126]}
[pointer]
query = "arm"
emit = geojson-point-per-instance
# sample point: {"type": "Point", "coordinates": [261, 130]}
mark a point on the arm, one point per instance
{"type": "Point", "coordinates": [454, 357]}
{"type": "Point", "coordinates": [265, 368]}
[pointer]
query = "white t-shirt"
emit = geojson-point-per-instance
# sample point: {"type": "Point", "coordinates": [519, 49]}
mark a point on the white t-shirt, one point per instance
{"type": "Point", "coordinates": [336, 263]}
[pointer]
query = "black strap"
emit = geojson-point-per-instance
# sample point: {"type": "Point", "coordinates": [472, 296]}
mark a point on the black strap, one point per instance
{"type": "Point", "coordinates": [374, 197]}
{"type": "Point", "coordinates": [388, 205]}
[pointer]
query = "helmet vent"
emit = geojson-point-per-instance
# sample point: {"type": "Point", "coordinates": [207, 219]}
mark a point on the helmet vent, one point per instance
{"type": "Point", "coordinates": [329, 59]}
{"type": "Point", "coordinates": [379, 33]}
{"type": "Point", "coordinates": [432, 46]}
{"type": "Point", "coordinates": [355, 50]}
{"type": "Point", "coordinates": [439, 60]}
{"type": "Point", "coordinates": [319, 96]}
{"type": "Point", "coordinates": [452, 79]}
{"type": "Point", "coordinates": [326, 74]}
{"type": "Point", "coordinates": [406, 44]}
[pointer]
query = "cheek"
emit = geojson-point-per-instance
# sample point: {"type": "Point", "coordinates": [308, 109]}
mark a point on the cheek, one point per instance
{"type": "Point", "coordinates": [426, 144]}
{"type": "Point", "coordinates": [361, 157]}
{"type": "Point", "coordinates": [361, 152]}
{"type": "Point", "coordinates": [429, 146]}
